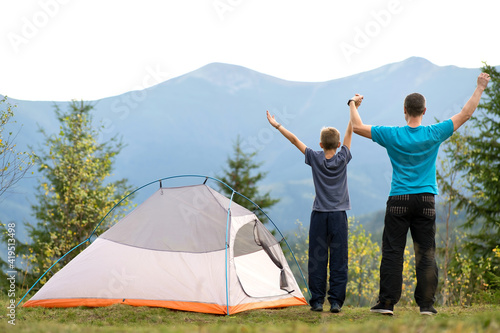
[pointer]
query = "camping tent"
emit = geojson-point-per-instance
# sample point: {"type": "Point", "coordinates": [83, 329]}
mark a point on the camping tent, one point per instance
{"type": "Point", "coordinates": [171, 252]}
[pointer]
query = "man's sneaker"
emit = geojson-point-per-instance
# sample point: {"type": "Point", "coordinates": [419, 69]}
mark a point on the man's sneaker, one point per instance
{"type": "Point", "coordinates": [335, 308]}
{"type": "Point", "coordinates": [383, 308]}
{"type": "Point", "coordinates": [428, 310]}
{"type": "Point", "coordinates": [317, 307]}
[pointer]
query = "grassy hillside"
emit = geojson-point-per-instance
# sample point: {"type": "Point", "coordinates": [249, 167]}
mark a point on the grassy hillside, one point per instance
{"type": "Point", "coordinates": [121, 318]}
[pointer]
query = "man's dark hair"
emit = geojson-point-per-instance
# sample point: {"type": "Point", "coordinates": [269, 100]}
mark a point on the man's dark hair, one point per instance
{"type": "Point", "coordinates": [415, 104]}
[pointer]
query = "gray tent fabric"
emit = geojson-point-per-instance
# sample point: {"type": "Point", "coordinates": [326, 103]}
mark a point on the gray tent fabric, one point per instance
{"type": "Point", "coordinates": [189, 219]}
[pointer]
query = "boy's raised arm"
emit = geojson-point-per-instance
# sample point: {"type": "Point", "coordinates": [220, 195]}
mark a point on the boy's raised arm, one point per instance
{"type": "Point", "coordinates": [286, 133]}
{"type": "Point", "coordinates": [348, 135]}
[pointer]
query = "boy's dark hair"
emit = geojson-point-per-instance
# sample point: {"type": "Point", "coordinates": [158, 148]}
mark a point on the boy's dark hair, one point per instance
{"type": "Point", "coordinates": [330, 138]}
{"type": "Point", "coordinates": [415, 104]}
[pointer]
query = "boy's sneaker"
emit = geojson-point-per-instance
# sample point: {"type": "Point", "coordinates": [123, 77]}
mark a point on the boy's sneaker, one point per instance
{"type": "Point", "coordinates": [317, 307]}
{"type": "Point", "coordinates": [383, 308]}
{"type": "Point", "coordinates": [428, 310]}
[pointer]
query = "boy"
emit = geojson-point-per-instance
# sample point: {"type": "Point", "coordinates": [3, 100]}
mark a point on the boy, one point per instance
{"type": "Point", "coordinates": [328, 227]}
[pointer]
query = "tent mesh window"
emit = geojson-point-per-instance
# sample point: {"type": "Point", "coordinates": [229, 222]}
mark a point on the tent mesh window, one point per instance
{"type": "Point", "coordinates": [253, 240]}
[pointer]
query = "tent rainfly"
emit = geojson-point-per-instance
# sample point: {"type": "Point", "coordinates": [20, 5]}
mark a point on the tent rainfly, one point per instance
{"type": "Point", "coordinates": [171, 252]}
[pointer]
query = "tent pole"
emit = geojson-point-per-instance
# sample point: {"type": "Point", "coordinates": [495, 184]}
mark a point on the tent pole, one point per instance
{"type": "Point", "coordinates": [33, 286]}
{"type": "Point", "coordinates": [227, 247]}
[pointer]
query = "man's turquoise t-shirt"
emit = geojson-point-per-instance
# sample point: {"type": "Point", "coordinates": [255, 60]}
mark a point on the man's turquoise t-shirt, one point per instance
{"type": "Point", "coordinates": [413, 153]}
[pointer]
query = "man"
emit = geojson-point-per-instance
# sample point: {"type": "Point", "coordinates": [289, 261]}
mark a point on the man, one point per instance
{"type": "Point", "coordinates": [412, 150]}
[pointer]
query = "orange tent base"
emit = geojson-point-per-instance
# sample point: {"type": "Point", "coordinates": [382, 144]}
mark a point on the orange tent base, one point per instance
{"type": "Point", "coordinates": [176, 305]}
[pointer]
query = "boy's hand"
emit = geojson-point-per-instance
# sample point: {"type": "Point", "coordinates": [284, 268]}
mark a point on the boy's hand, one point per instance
{"type": "Point", "coordinates": [271, 120]}
{"type": "Point", "coordinates": [286, 133]}
{"type": "Point", "coordinates": [357, 99]}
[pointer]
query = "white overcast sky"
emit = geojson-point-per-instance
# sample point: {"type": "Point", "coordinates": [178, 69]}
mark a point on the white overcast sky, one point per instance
{"type": "Point", "coordinates": [89, 49]}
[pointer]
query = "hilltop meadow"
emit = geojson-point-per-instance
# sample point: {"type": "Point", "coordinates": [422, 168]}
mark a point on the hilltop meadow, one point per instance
{"type": "Point", "coordinates": [123, 318]}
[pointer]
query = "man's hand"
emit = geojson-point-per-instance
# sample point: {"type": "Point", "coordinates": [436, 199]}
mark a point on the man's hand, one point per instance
{"type": "Point", "coordinates": [468, 110]}
{"type": "Point", "coordinates": [357, 100]}
{"type": "Point", "coordinates": [271, 120]}
{"type": "Point", "coordinates": [482, 80]}
{"type": "Point", "coordinates": [357, 124]}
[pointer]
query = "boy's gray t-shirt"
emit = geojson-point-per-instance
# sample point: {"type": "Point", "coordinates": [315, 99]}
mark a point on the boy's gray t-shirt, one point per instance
{"type": "Point", "coordinates": [330, 179]}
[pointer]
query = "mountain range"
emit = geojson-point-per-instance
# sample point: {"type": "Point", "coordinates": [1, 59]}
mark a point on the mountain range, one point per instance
{"type": "Point", "coordinates": [189, 125]}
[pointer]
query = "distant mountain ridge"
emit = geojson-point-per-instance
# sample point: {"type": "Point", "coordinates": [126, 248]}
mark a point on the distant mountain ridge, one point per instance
{"type": "Point", "coordinates": [188, 125]}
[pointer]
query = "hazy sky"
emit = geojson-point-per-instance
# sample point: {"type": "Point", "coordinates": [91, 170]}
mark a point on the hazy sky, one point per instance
{"type": "Point", "coordinates": [89, 49]}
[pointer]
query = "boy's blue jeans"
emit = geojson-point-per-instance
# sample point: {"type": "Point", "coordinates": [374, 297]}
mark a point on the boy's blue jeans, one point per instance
{"type": "Point", "coordinates": [328, 231]}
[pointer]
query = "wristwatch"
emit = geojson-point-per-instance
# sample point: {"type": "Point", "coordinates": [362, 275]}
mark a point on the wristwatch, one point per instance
{"type": "Point", "coordinates": [351, 100]}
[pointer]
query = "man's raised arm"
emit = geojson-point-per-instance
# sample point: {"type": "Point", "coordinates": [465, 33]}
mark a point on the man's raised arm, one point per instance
{"type": "Point", "coordinates": [460, 118]}
{"type": "Point", "coordinates": [357, 124]}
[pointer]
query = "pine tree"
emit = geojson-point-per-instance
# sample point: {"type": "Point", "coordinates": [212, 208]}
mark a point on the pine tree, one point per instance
{"type": "Point", "coordinates": [481, 169]}
{"type": "Point", "coordinates": [75, 193]}
{"type": "Point", "coordinates": [241, 176]}
{"type": "Point", "coordinates": [450, 182]}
